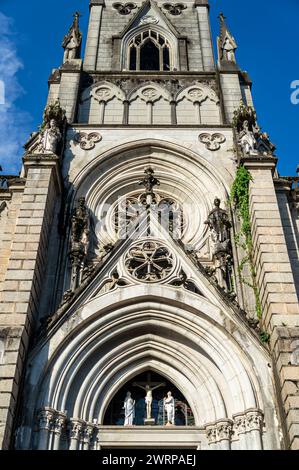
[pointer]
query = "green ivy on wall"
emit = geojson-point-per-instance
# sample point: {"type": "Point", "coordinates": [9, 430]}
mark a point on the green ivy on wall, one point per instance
{"type": "Point", "coordinates": [240, 198]}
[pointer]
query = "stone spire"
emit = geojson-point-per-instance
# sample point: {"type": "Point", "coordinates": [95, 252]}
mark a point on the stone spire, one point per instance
{"type": "Point", "coordinates": [227, 46]}
{"type": "Point", "coordinates": [72, 41]}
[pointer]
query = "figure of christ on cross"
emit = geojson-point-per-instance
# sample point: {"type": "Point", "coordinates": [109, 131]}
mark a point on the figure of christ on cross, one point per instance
{"type": "Point", "coordinates": [149, 387]}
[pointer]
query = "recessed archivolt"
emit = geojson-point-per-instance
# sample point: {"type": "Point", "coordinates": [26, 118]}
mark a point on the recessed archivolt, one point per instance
{"type": "Point", "coordinates": [185, 176]}
{"type": "Point", "coordinates": [111, 345]}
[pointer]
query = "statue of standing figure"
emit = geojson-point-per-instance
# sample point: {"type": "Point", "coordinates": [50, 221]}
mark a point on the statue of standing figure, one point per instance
{"type": "Point", "coordinates": [129, 407]}
{"type": "Point", "coordinates": [228, 50]}
{"type": "Point", "coordinates": [220, 226]}
{"type": "Point", "coordinates": [50, 137]}
{"type": "Point", "coordinates": [247, 140]}
{"type": "Point", "coordinates": [169, 406]}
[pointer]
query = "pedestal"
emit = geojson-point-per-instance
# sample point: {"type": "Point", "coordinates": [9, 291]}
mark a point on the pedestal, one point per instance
{"type": "Point", "coordinates": [149, 422]}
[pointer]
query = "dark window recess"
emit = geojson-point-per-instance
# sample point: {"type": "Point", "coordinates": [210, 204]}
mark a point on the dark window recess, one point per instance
{"type": "Point", "coordinates": [149, 57]}
{"type": "Point", "coordinates": [133, 58]}
{"type": "Point", "coordinates": [166, 60]}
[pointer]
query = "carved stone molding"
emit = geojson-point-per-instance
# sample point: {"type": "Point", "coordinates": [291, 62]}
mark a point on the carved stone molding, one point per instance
{"type": "Point", "coordinates": [174, 8]}
{"type": "Point", "coordinates": [124, 8]}
{"type": "Point", "coordinates": [212, 141]}
{"type": "Point", "coordinates": [87, 141]}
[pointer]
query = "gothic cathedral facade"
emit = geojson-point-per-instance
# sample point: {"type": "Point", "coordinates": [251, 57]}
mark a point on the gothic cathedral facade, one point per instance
{"type": "Point", "coordinates": [149, 249]}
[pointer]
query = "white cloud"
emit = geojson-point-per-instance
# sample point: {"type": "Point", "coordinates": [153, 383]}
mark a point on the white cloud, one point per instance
{"type": "Point", "coordinates": [14, 122]}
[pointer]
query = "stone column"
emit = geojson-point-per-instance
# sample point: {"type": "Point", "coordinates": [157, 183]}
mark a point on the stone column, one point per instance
{"type": "Point", "coordinates": [93, 35]}
{"type": "Point", "coordinates": [254, 424]}
{"type": "Point", "coordinates": [202, 7]}
{"type": "Point", "coordinates": [59, 423]}
{"type": "Point", "coordinates": [76, 426]}
{"type": "Point", "coordinates": [87, 436]}
{"type": "Point", "coordinates": [25, 272]}
{"type": "Point", "coordinates": [45, 422]}
{"type": "Point", "coordinates": [240, 430]}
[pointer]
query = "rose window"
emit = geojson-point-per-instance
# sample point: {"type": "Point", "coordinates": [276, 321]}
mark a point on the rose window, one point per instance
{"type": "Point", "coordinates": [149, 261]}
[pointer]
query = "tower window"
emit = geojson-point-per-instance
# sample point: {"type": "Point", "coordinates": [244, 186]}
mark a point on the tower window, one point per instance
{"type": "Point", "coordinates": [149, 51]}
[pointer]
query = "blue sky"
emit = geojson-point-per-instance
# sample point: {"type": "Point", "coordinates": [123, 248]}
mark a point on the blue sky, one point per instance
{"type": "Point", "coordinates": [31, 33]}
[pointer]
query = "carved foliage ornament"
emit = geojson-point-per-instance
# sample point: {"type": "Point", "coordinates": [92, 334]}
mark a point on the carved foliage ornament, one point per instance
{"type": "Point", "coordinates": [87, 141]}
{"type": "Point", "coordinates": [124, 8]}
{"type": "Point", "coordinates": [149, 261]}
{"type": "Point", "coordinates": [174, 8]}
{"type": "Point", "coordinates": [212, 141]}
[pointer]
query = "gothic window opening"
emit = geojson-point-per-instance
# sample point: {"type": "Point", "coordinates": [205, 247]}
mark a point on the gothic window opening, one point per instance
{"type": "Point", "coordinates": [138, 387]}
{"type": "Point", "coordinates": [149, 51]}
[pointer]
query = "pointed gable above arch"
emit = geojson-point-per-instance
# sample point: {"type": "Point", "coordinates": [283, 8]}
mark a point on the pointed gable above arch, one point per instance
{"type": "Point", "coordinates": [149, 14]}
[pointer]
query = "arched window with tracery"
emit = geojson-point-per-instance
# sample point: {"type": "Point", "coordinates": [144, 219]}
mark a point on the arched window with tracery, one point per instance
{"type": "Point", "coordinates": [149, 51]}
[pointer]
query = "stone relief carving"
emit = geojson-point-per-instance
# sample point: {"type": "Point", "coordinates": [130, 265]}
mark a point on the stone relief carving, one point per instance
{"type": "Point", "coordinates": [87, 141]}
{"type": "Point", "coordinates": [149, 261]}
{"type": "Point", "coordinates": [198, 93]}
{"type": "Point", "coordinates": [251, 140]}
{"type": "Point", "coordinates": [149, 19]}
{"type": "Point", "coordinates": [124, 8]}
{"type": "Point", "coordinates": [212, 141]}
{"type": "Point", "coordinates": [106, 92]}
{"type": "Point", "coordinates": [174, 8]}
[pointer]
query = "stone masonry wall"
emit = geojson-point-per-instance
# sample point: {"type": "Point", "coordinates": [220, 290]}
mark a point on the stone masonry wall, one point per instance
{"type": "Point", "coordinates": [23, 282]}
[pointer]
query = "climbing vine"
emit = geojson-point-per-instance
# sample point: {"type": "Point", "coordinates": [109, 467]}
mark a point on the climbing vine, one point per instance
{"type": "Point", "coordinates": [240, 198]}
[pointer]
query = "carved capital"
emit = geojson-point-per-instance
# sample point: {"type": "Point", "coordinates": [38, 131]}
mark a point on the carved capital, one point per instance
{"type": "Point", "coordinates": [59, 423]}
{"type": "Point", "coordinates": [224, 430]}
{"type": "Point", "coordinates": [240, 424]}
{"type": "Point", "coordinates": [254, 420]}
{"type": "Point", "coordinates": [75, 427]}
{"type": "Point", "coordinates": [211, 433]}
{"type": "Point", "coordinates": [45, 418]}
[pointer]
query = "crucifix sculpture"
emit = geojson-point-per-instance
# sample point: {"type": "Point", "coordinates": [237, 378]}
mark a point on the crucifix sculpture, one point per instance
{"type": "Point", "coordinates": [149, 387]}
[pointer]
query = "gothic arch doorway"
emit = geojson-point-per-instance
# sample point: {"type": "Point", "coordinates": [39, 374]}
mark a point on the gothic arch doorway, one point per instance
{"type": "Point", "coordinates": [115, 414]}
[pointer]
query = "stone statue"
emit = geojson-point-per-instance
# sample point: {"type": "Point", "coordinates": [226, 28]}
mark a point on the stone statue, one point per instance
{"type": "Point", "coordinates": [149, 395]}
{"type": "Point", "coordinates": [220, 226]}
{"type": "Point", "coordinates": [247, 139]}
{"type": "Point", "coordinates": [50, 137]}
{"type": "Point", "coordinates": [80, 234]}
{"type": "Point", "coordinates": [228, 50]}
{"type": "Point", "coordinates": [169, 406]}
{"type": "Point", "coordinates": [81, 225]}
{"type": "Point", "coordinates": [72, 41]}
{"type": "Point", "coordinates": [129, 407]}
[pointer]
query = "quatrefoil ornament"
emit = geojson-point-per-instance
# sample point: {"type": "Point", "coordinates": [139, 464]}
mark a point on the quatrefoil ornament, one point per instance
{"type": "Point", "coordinates": [212, 141]}
{"type": "Point", "coordinates": [174, 8]}
{"type": "Point", "coordinates": [87, 141]}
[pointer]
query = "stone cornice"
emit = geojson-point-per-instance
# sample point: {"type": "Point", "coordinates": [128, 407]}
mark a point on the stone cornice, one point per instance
{"type": "Point", "coordinates": [45, 161]}
{"type": "Point", "coordinates": [259, 162]}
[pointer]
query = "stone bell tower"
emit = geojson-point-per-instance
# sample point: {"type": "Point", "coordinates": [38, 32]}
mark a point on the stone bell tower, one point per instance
{"type": "Point", "coordinates": [149, 249]}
